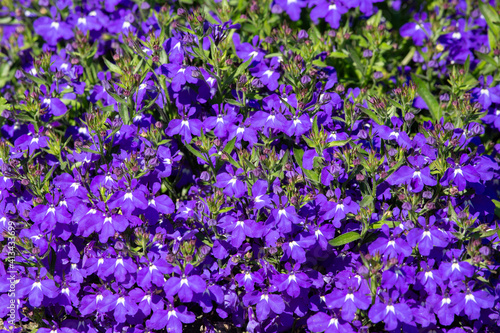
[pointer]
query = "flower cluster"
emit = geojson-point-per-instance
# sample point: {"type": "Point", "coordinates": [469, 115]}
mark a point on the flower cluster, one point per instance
{"type": "Point", "coordinates": [220, 167]}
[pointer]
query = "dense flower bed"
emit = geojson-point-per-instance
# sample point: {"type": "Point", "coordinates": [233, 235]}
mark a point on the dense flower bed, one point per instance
{"type": "Point", "coordinates": [261, 166]}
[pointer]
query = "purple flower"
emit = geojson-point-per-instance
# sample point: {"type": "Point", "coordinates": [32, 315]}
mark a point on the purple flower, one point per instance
{"type": "Point", "coordinates": [456, 270]}
{"type": "Point", "coordinates": [418, 31]}
{"type": "Point", "coordinates": [485, 94]}
{"type": "Point", "coordinates": [321, 322]}
{"type": "Point", "coordinates": [415, 177]}
{"type": "Point", "coordinates": [390, 313]}
{"type": "Point", "coordinates": [185, 127]}
{"type": "Point", "coordinates": [172, 317]}
{"type": "Point", "coordinates": [259, 196]}
{"type": "Point", "coordinates": [51, 30]}
{"type": "Point", "coordinates": [292, 7]}
{"type": "Point", "coordinates": [266, 302]}
{"type": "Point", "coordinates": [37, 289]}
{"type": "Point", "coordinates": [240, 229]}
{"type": "Point", "coordinates": [331, 11]}
{"type": "Point", "coordinates": [33, 141]}
{"type": "Point", "coordinates": [185, 285]}
{"type": "Point", "coordinates": [428, 237]}
{"type": "Point", "coordinates": [267, 75]}
{"type": "Point", "coordinates": [248, 279]}
{"type": "Point", "coordinates": [349, 300]}
{"type": "Point", "coordinates": [121, 305]}
{"type": "Point", "coordinates": [231, 182]}
{"type": "Point", "coordinates": [459, 174]}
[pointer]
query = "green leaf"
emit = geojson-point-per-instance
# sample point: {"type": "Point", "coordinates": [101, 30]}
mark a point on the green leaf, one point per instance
{"type": "Point", "coordinates": [124, 114]}
{"type": "Point", "coordinates": [204, 239]}
{"type": "Point", "coordinates": [429, 99]}
{"type": "Point", "coordinates": [225, 209]}
{"type": "Point", "coordinates": [339, 143]}
{"type": "Point", "coordinates": [298, 154]}
{"type": "Point", "coordinates": [345, 238]}
{"type": "Point", "coordinates": [338, 55]}
{"type": "Point", "coordinates": [367, 200]}
{"type": "Point", "coordinates": [112, 67]}
{"type": "Point", "coordinates": [229, 147]}
{"type": "Point", "coordinates": [195, 152]}
{"type": "Point", "coordinates": [491, 17]}
{"type": "Point", "coordinates": [371, 114]}
{"type": "Point", "coordinates": [35, 79]}
{"type": "Point", "coordinates": [309, 142]}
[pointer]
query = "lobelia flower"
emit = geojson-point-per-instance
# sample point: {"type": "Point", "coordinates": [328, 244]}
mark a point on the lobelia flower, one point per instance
{"type": "Point", "coordinates": [322, 322]}
{"type": "Point", "coordinates": [248, 51]}
{"type": "Point", "coordinates": [456, 270]}
{"type": "Point", "coordinates": [389, 312]}
{"type": "Point", "coordinates": [331, 11]}
{"type": "Point", "coordinates": [158, 204]}
{"type": "Point", "coordinates": [337, 210]}
{"type": "Point", "coordinates": [37, 289]}
{"type": "Point", "coordinates": [32, 141]}
{"type": "Point", "coordinates": [52, 105]}
{"type": "Point", "coordinates": [443, 307]}
{"type": "Point", "coordinates": [121, 268]}
{"type": "Point", "coordinates": [295, 249]}
{"type": "Point", "coordinates": [390, 246]}
{"type": "Point", "coordinates": [122, 305]}
{"type": "Point", "coordinates": [71, 186]}
{"type": "Point", "coordinates": [349, 296]}
{"type": "Point", "coordinates": [133, 197]}
{"type": "Point", "coordinates": [298, 125]}
{"type": "Point", "coordinates": [259, 197]}
{"type": "Point", "coordinates": [240, 229]}
{"type": "Point", "coordinates": [415, 177]}
{"type": "Point", "coordinates": [231, 182]}
{"type": "Point", "coordinates": [292, 7]}
{"type": "Point", "coordinates": [172, 318]}
{"type": "Point", "coordinates": [293, 281]}
{"type": "Point", "coordinates": [387, 133]}
{"type": "Point", "coordinates": [459, 174]}
{"type": "Point", "coordinates": [47, 216]}
{"type": "Point", "coordinates": [221, 121]}
{"type": "Point", "coordinates": [184, 286]}
{"type": "Point", "coordinates": [485, 94]}
{"type": "Point", "coordinates": [147, 301]}
{"type": "Point", "coordinates": [51, 30]}
{"type": "Point", "coordinates": [284, 215]}
{"type": "Point", "coordinates": [471, 302]}
{"type": "Point", "coordinates": [428, 237]}
{"type": "Point", "coordinates": [166, 161]}
{"type": "Point", "coordinates": [248, 279]}
{"type": "Point", "coordinates": [399, 277]}
{"type": "Point", "coordinates": [185, 127]}
{"type": "Point", "coordinates": [152, 271]}
{"type": "Point", "coordinates": [418, 30]}
{"type": "Point", "coordinates": [93, 300]}
{"type": "Point", "coordinates": [268, 75]}
{"type": "Point", "coordinates": [242, 131]}
{"type": "Point", "coordinates": [265, 303]}
{"type": "Point", "coordinates": [429, 278]}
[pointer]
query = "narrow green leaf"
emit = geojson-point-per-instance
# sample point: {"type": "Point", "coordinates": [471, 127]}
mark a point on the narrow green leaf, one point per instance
{"type": "Point", "coordinates": [298, 154]}
{"type": "Point", "coordinates": [345, 238]}
{"type": "Point", "coordinates": [491, 17]}
{"type": "Point", "coordinates": [429, 99]}
{"type": "Point", "coordinates": [371, 114]}
{"type": "Point", "coordinates": [230, 145]}
{"type": "Point", "coordinates": [339, 143]}
{"type": "Point", "coordinates": [367, 200]}
{"type": "Point", "coordinates": [195, 152]}
{"type": "Point", "coordinates": [112, 67]}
